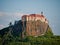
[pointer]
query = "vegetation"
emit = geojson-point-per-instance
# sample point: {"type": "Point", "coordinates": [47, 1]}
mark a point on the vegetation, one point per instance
{"type": "Point", "coordinates": [41, 40]}
{"type": "Point", "coordinates": [47, 39]}
{"type": "Point", "coordinates": [49, 32]}
{"type": "Point", "coordinates": [9, 38]}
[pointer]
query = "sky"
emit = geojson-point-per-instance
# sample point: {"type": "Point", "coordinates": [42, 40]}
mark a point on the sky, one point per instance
{"type": "Point", "coordinates": [11, 10]}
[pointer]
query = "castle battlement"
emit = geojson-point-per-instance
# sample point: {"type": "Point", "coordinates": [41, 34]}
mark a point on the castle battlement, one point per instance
{"type": "Point", "coordinates": [34, 17]}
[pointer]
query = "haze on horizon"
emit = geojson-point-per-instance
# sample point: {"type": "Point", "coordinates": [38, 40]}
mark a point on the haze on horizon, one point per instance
{"type": "Point", "coordinates": [11, 10]}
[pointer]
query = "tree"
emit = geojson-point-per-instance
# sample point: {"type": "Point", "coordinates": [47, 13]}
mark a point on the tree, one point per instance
{"type": "Point", "coordinates": [49, 32]}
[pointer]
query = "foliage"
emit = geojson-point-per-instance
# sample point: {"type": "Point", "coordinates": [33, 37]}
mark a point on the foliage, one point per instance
{"type": "Point", "coordinates": [48, 39]}
{"type": "Point", "coordinates": [30, 40]}
{"type": "Point", "coordinates": [49, 32]}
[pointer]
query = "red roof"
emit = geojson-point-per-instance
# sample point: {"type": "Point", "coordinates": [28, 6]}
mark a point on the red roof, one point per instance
{"type": "Point", "coordinates": [33, 15]}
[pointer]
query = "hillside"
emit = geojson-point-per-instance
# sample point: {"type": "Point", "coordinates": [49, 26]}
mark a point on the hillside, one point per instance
{"type": "Point", "coordinates": [13, 36]}
{"type": "Point", "coordinates": [29, 31]}
{"type": "Point", "coordinates": [48, 39]}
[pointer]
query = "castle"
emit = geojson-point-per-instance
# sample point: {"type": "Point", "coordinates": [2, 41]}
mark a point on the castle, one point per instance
{"type": "Point", "coordinates": [34, 25]}
{"type": "Point", "coordinates": [30, 25]}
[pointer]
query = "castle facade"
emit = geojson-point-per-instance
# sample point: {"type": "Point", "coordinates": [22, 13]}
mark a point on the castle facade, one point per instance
{"type": "Point", "coordinates": [34, 24]}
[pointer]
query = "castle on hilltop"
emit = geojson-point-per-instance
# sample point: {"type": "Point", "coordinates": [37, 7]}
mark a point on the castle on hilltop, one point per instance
{"type": "Point", "coordinates": [34, 25]}
{"type": "Point", "coordinates": [30, 25]}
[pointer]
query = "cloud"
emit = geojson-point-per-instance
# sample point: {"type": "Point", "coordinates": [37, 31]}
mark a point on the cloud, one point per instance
{"type": "Point", "coordinates": [2, 26]}
{"type": "Point", "coordinates": [6, 17]}
{"type": "Point", "coordinates": [1, 13]}
{"type": "Point", "coordinates": [15, 14]}
{"type": "Point", "coordinates": [4, 14]}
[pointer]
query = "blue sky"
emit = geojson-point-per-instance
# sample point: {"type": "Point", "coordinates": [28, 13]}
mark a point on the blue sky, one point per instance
{"type": "Point", "coordinates": [11, 10]}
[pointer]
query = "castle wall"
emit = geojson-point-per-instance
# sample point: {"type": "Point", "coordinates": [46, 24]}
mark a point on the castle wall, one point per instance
{"type": "Point", "coordinates": [35, 25]}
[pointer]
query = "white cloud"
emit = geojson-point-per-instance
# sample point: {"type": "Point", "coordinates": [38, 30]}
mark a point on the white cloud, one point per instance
{"type": "Point", "coordinates": [15, 14]}
{"type": "Point", "coordinates": [7, 17]}
{"type": "Point", "coordinates": [4, 14]}
{"type": "Point", "coordinates": [1, 13]}
{"type": "Point", "coordinates": [2, 26]}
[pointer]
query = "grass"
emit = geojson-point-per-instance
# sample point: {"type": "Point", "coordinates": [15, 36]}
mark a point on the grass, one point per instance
{"type": "Point", "coordinates": [43, 40]}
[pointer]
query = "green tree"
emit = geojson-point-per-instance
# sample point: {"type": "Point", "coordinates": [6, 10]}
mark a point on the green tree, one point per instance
{"type": "Point", "coordinates": [49, 32]}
